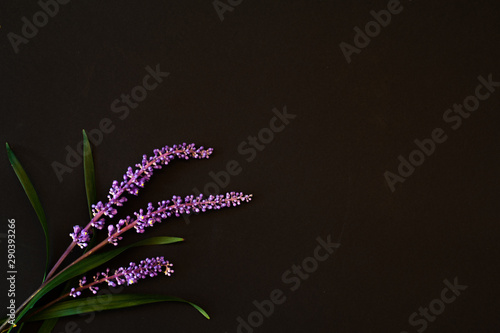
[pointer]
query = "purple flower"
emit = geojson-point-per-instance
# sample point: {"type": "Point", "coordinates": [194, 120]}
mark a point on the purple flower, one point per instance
{"type": "Point", "coordinates": [175, 207]}
{"type": "Point", "coordinates": [125, 275]}
{"type": "Point", "coordinates": [74, 292]}
{"type": "Point", "coordinates": [134, 179]}
{"type": "Point", "coordinates": [80, 236]}
{"type": "Point", "coordinates": [112, 230]}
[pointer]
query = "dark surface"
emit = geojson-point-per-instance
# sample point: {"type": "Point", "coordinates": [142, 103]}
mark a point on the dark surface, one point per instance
{"type": "Point", "coordinates": [323, 174]}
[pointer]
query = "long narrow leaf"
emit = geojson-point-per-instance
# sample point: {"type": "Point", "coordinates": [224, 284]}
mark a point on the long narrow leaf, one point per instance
{"type": "Point", "coordinates": [106, 302]}
{"type": "Point", "coordinates": [48, 325]}
{"type": "Point", "coordinates": [33, 197]}
{"type": "Point", "coordinates": [88, 170]}
{"type": "Point", "coordinates": [89, 263]}
{"type": "Point", "coordinates": [90, 189]}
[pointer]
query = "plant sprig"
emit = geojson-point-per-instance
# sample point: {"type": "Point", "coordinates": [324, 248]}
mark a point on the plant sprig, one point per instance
{"type": "Point", "coordinates": [83, 237]}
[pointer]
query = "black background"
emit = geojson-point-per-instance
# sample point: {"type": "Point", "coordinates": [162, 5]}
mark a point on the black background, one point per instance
{"type": "Point", "coordinates": [322, 175]}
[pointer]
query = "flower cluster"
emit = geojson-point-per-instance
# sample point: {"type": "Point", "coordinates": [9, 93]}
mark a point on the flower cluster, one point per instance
{"type": "Point", "coordinates": [80, 236]}
{"type": "Point", "coordinates": [132, 181]}
{"type": "Point", "coordinates": [125, 275]}
{"type": "Point", "coordinates": [174, 207]}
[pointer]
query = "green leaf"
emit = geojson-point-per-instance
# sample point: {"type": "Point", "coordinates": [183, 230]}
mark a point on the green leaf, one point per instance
{"type": "Point", "coordinates": [48, 325]}
{"type": "Point", "coordinates": [106, 302]}
{"type": "Point", "coordinates": [89, 263]}
{"type": "Point", "coordinates": [90, 189]}
{"type": "Point", "coordinates": [33, 197]}
{"type": "Point", "coordinates": [89, 174]}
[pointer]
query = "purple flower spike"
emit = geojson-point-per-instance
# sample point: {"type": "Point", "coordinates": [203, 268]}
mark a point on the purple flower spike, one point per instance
{"type": "Point", "coordinates": [175, 207]}
{"type": "Point", "coordinates": [125, 275]}
{"type": "Point", "coordinates": [178, 206]}
{"type": "Point", "coordinates": [134, 179]}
